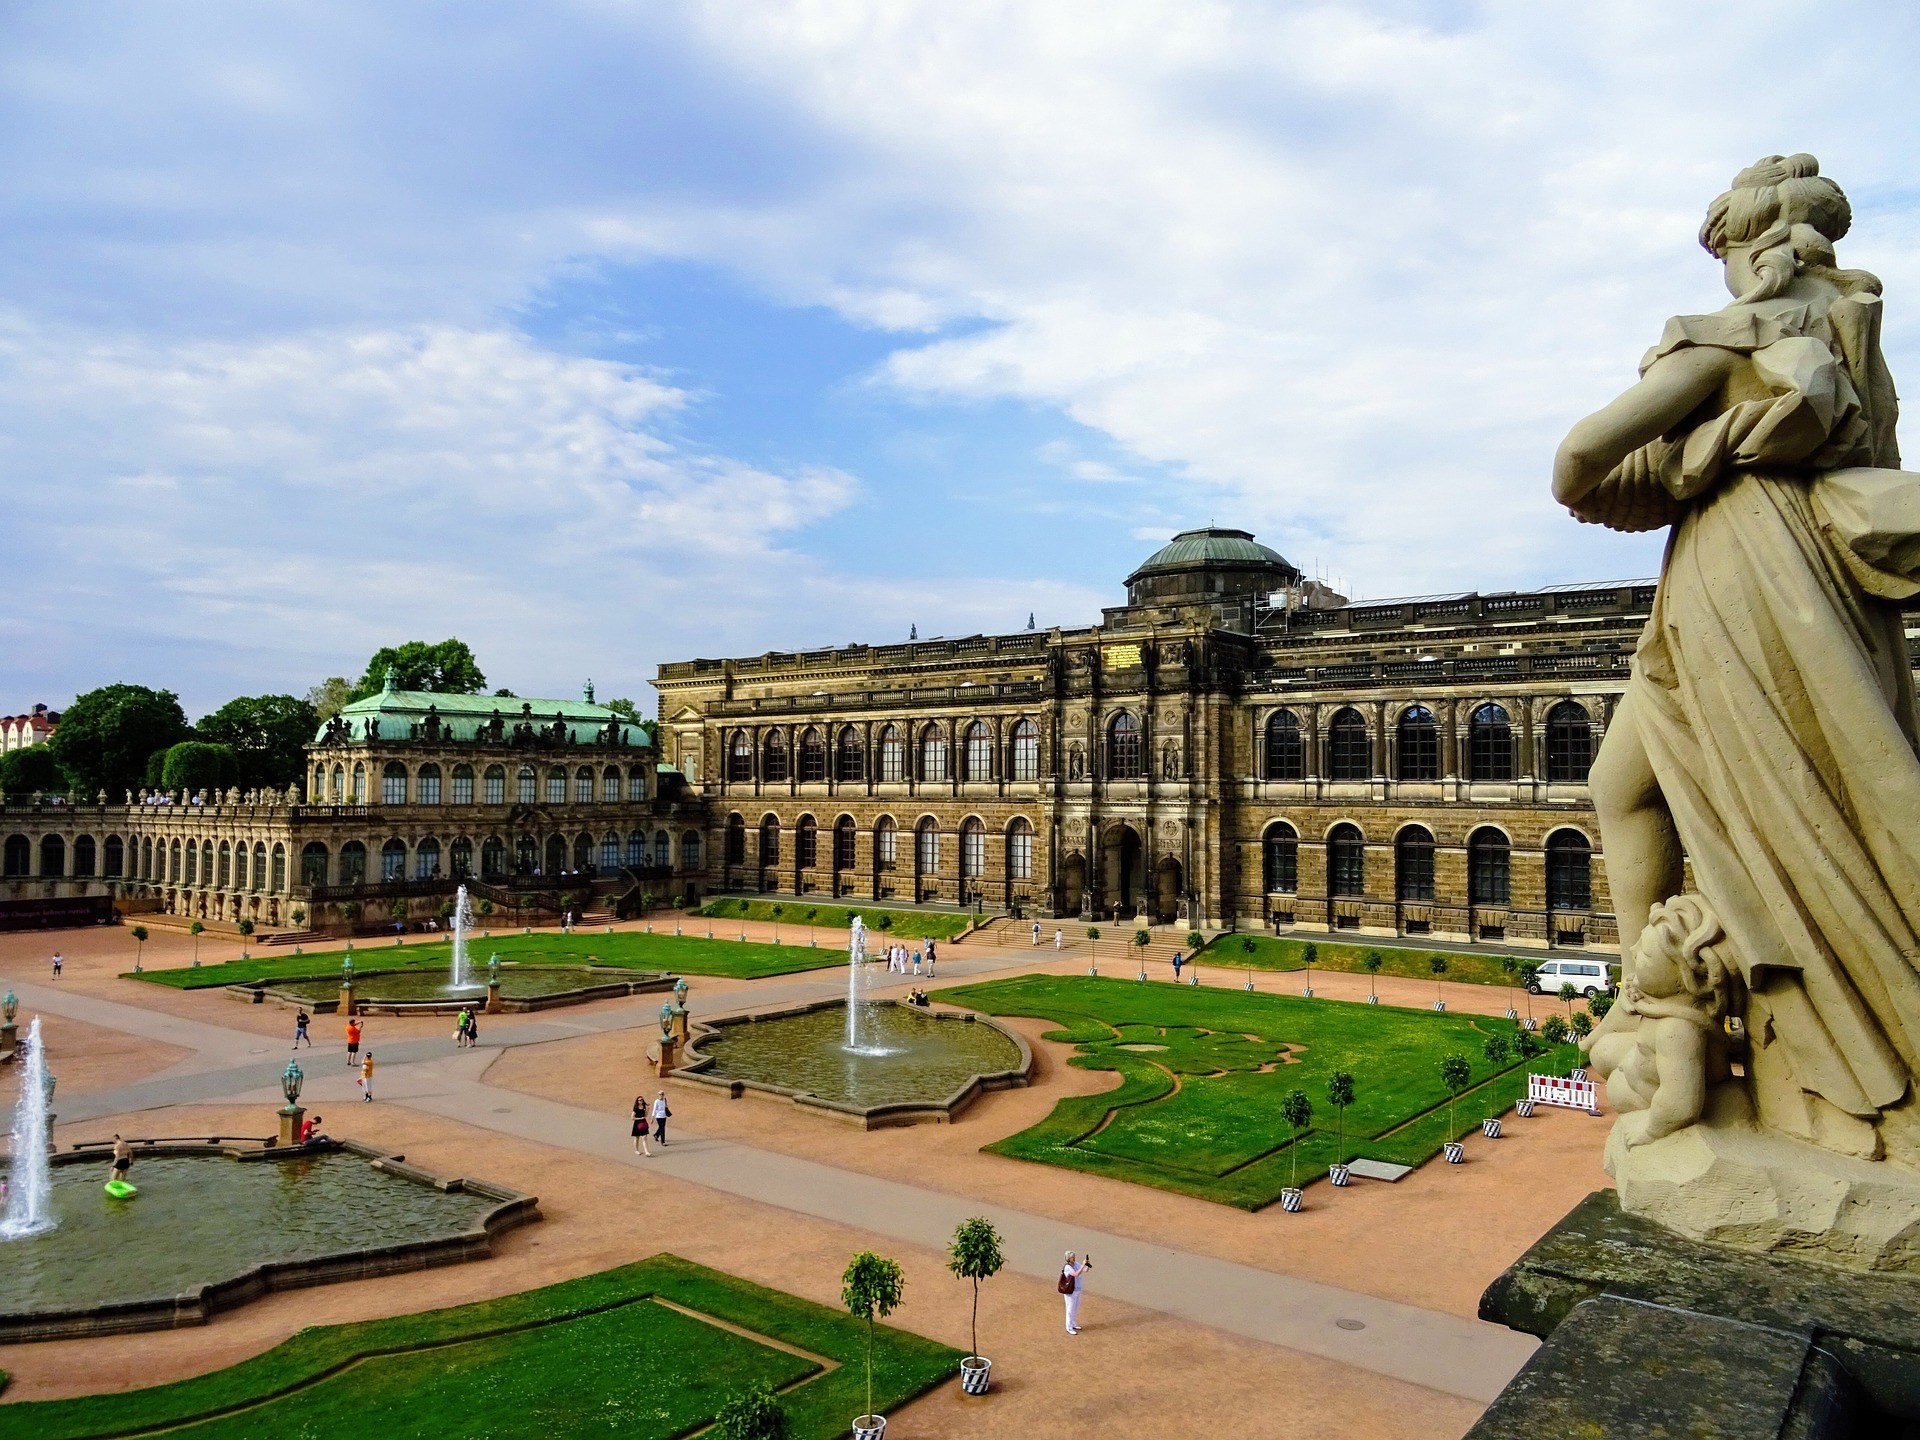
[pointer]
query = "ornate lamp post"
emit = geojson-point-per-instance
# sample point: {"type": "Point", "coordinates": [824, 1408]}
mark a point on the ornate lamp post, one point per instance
{"type": "Point", "coordinates": [669, 1041]}
{"type": "Point", "coordinates": [680, 1010]}
{"type": "Point", "coordinates": [346, 987]}
{"type": "Point", "coordinates": [493, 985]}
{"type": "Point", "coordinates": [291, 1114]}
{"type": "Point", "coordinates": [9, 1007]}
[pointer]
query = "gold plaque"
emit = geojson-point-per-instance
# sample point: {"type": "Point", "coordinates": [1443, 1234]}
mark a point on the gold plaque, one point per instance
{"type": "Point", "coordinates": [1122, 657]}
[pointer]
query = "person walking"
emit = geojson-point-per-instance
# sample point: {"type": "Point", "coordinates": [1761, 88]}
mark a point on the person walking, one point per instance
{"type": "Point", "coordinates": [930, 945]}
{"type": "Point", "coordinates": [916, 962]}
{"type": "Point", "coordinates": [1036, 932]}
{"type": "Point", "coordinates": [1059, 939]}
{"type": "Point", "coordinates": [1072, 1284]}
{"type": "Point", "coordinates": [661, 1114]}
{"type": "Point", "coordinates": [473, 1028]}
{"type": "Point", "coordinates": [460, 1027]}
{"type": "Point", "coordinates": [1176, 967]}
{"type": "Point", "coordinates": [57, 962]}
{"type": "Point", "coordinates": [640, 1146]}
{"type": "Point", "coordinates": [366, 1077]}
{"type": "Point", "coordinates": [353, 1041]}
{"type": "Point", "coordinates": [300, 1023]}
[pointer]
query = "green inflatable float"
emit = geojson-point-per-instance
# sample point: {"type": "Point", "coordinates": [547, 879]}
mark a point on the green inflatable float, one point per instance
{"type": "Point", "coordinates": [121, 1190]}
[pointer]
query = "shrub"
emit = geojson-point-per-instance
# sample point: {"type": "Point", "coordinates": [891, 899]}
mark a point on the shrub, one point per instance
{"type": "Point", "coordinates": [1554, 1030]}
{"type": "Point", "coordinates": [246, 927]}
{"type": "Point", "coordinates": [1581, 1024]}
{"type": "Point", "coordinates": [1093, 932]}
{"type": "Point", "coordinates": [754, 1413]}
{"type": "Point", "coordinates": [1599, 1005]}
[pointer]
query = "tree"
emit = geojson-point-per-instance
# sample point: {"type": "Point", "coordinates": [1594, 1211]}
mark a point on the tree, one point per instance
{"type": "Point", "coordinates": [196, 765]}
{"type": "Point", "coordinates": [350, 911]}
{"type": "Point", "coordinates": [1141, 939]}
{"type": "Point", "coordinates": [871, 1288]}
{"type": "Point", "coordinates": [1297, 1110]}
{"type": "Point", "coordinates": [329, 696]}
{"type": "Point", "coordinates": [1567, 996]}
{"type": "Point", "coordinates": [196, 929]}
{"type": "Point", "coordinates": [397, 911]}
{"type": "Point", "coordinates": [624, 708]}
{"type": "Point", "coordinates": [1581, 1024]}
{"type": "Point", "coordinates": [106, 735]}
{"type": "Point", "coordinates": [1309, 953]}
{"type": "Point", "coordinates": [1528, 1044]}
{"type": "Point", "coordinates": [1093, 932]}
{"type": "Point", "coordinates": [245, 927]}
{"type": "Point", "coordinates": [1599, 1005]}
{"type": "Point", "coordinates": [1497, 1049]}
{"type": "Point", "coordinates": [1455, 1072]}
{"type": "Point", "coordinates": [1371, 963]}
{"type": "Point", "coordinates": [1340, 1096]}
{"type": "Point", "coordinates": [23, 772]}
{"type": "Point", "coordinates": [1438, 965]}
{"type": "Point", "coordinates": [447, 668]}
{"type": "Point", "coordinates": [754, 1413]}
{"type": "Point", "coordinates": [1509, 967]}
{"type": "Point", "coordinates": [1554, 1031]}
{"type": "Point", "coordinates": [139, 934]}
{"type": "Point", "coordinates": [1529, 972]}
{"type": "Point", "coordinates": [267, 734]}
{"type": "Point", "coordinates": [1195, 940]}
{"type": "Point", "coordinates": [974, 1254]}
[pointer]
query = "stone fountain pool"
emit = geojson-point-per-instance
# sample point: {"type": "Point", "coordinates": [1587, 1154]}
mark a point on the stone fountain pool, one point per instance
{"type": "Point", "coordinates": [432, 991]}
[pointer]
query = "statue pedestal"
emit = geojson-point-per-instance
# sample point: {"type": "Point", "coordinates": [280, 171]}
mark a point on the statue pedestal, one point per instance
{"type": "Point", "coordinates": [290, 1118]}
{"type": "Point", "coordinates": [346, 1002]}
{"type": "Point", "coordinates": [680, 1028]}
{"type": "Point", "coordinates": [669, 1056]}
{"type": "Point", "coordinates": [493, 997]}
{"type": "Point", "coordinates": [1649, 1333]}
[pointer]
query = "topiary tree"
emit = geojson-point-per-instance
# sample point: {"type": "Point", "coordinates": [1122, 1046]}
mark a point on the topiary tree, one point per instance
{"type": "Point", "coordinates": [813, 914]}
{"type": "Point", "coordinates": [1528, 1044]}
{"type": "Point", "coordinates": [1438, 965]}
{"type": "Point", "coordinates": [1581, 1024]}
{"type": "Point", "coordinates": [1340, 1096]}
{"type": "Point", "coordinates": [196, 930]}
{"type": "Point", "coordinates": [1509, 967]}
{"type": "Point", "coordinates": [397, 911]}
{"type": "Point", "coordinates": [885, 922]}
{"type": "Point", "coordinates": [1141, 939]}
{"type": "Point", "coordinates": [871, 1288]}
{"type": "Point", "coordinates": [1248, 945]}
{"type": "Point", "coordinates": [1529, 973]}
{"type": "Point", "coordinates": [1297, 1110]}
{"type": "Point", "coordinates": [1497, 1049]}
{"type": "Point", "coordinates": [1455, 1072]}
{"type": "Point", "coordinates": [1599, 1005]}
{"type": "Point", "coordinates": [1309, 953]}
{"type": "Point", "coordinates": [246, 927]}
{"type": "Point", "coordinates": [1567, 996]}
{"type": "Point", "coordinates": [1093, 932]}
{"type": "Point", "coordinates": [445, 912]}
{"type": "Point", "coordinates": [1195, 939]}
{"type": "Point", "coordinates": [754, 1413]}
{"type": "Point", "coordinates": [297, 915]}
{"type": "Point", "coordinates": [139, 933]}
{"type": "Point", "coordinates": [974, 1254]}
{"type": "Point", "coordinates": [1554, 1031]}
{"type": "Point", "coordinates": [1371, 963]}
{"type": "Point", "coordinates": [485, 907]}
{"type": "Point", "coordinates": [776, 911]}
{"type": "Point", "coordinates": [350, 911]}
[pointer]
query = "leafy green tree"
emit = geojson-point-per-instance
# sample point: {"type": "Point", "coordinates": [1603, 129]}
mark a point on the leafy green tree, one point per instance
{"type": "Point", "coordinates": [974, 1254]}
{"type": "Point", "coordinates": [1581, 1024]}
{"type": "Point", "coordinates": [1554, 1030]}
{"type": "Point", "coordinates": [1309, 953]}
{"type": "Point", "coordinates": [1455, 1072]}
{"type": "Point", "coordinates": [196, 930]}
{"type": "Point", "coordinates": [106, 735]}
{"type": "Point", "coordinates": [267, 734]}
{"type": "Point", "coordinates": [1297, 1110]}
{"type": "Point", "coordinates": [1599, 1005]}
{"type": "Point", "coordinates": [1567, 996]}
{"type": "Point", "coordinates": [1371, 963]}
{"type": "Point", "coordinates": [329, 696]}
{"type": "Point", "coordinates": [1528, 1044]}
{"type": "Point", "coordinates": [23, 772]}
{"type": "Point", "coordinates": [1340, 1096]}
{"type": "Point", "coordinates": [246, 927]}
{"type": "Point", "coordinates": [447, 668]}
{"type": "Point", "coordinates": [197, 765]}
{"type": "Point", "coordinates": [1529, 972]}
{"type": "Point", "coordinates": [1497, 1049]}
{"type": "Point", "coordinates": [871, 1289]}
{"type": "Point", "coordinates": [625, 707]}
{"type": "Point", "coordinates": [754, 1413]}
{"type": "Point", "coordinates": [1195, 940]}
{"type": "Point", "coordinates": [1509, 967]}
{"type": "Point", "coordinates": [1438, 965]}
{"type": "Point", "coordinates": [1093, 932]}
{"type": "Point", "coordinates": [139, 934]}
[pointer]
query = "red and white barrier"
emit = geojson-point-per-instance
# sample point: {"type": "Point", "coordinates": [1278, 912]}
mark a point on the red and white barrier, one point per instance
{"type": "Point", "coordinates": [1581, 1094]}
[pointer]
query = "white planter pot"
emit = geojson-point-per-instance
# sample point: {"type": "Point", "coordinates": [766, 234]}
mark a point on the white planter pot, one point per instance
{"type": "Point", "coordinates": [1249, 987]}
{"type": "Point", "coordinates": [1339, 1175]}
{"type": "Point", "coordinates": [1290, 1200]}
{"type": "Point", "coordinates": [869, 1427]}
{"type": "Point", "coordinates": [1490, 1127]}
{"type": "Point", "coordinates": [1532, 1024]}
{"type": "Point", "coordinates": [1512, 1014]}
{"type": "Point", "coordinates": [1524, 1107]}
{"type": "Point", "coordinates": [975, 1374]}
{"type": "Point", "coordinates": [1373, 999]}
{"type": "Point", "coordinates": [1454, 1151]}
{"type": "Point", "coordinates": [1439, 1004]}
{"type": "Point", "coordinates": [1307, 993]}
{"type": "Point", "coordinates": [1579, 1072]}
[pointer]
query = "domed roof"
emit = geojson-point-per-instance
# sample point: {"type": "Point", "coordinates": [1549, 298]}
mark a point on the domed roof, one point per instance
{"type": "Point", "coordinates": [1211, 547]}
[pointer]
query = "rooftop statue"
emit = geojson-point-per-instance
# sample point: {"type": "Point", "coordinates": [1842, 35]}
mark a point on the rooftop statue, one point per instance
{"type": "Point", "coordinates": [1764, 1050]}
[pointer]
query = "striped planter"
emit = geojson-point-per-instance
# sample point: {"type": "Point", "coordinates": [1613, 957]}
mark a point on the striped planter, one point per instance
{"type": "Point", "coordinates": [1455, 1152]}
{"type": "Point", "coordinates": [975, 1374]}
{"type": "Point", "coordinates": [1579, 1072]}
{"type": "Point", "coordinates": [1512, 1014]}
{"type": "Point", "coordinates": [1439, 1004]}
{"type": "Point", "coordinates": [1340, 1175]}
{"type": "Point", "coordinates": [1490, 1127]}
{"type": "Point", "coordinates": [1290, 1200]}
{"type": "Point", "coordinates": [1524, 1106]}
{"type": "Point", "coordinates": [1532, 1024]}
{"type": "Point", "coordinates": [1307, 993]}
{"type": "Point", "coordinates": [1373, 999]}
{"type": "Point", "coordinates": [1249, 987]}
{"type": "Point", "coordinates": [869, 1427]}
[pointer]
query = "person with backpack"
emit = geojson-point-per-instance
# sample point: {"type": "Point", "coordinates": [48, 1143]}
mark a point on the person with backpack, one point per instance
{"type": "Point", "coordinates": [661, 1114]}
{"type": "Point", "coordinates": [1071, 1286]}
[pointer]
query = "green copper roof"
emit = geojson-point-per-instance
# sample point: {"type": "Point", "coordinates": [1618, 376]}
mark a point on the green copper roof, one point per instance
{"type": "Point", "coordinates": [401, 714]}
{"type": "Point", "coordinates": [1212, 546]}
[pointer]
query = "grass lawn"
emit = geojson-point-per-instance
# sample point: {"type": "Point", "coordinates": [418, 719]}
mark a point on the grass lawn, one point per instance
{"type": "Point", "coordinates": [1203, 1071]}
{"type": "Point", "coordinates": [907, 924]}
{"type": "Point", "coordinates": [1273, 952]}
{"type": "Point", "coordinates": [628, 949]}
{"type": "Point", "coordinates": [608, 1354]}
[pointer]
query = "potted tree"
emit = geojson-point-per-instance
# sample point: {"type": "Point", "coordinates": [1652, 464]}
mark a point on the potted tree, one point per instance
{"type": "Point", "coordinates": [297, 915]}
{"type": "Point", "coordinates": [1194, 941]}
{"type": "Point", "coordinates": [1371, 963]}
{"type": "Point", "coordinates": [196, 930]}
{"type": "Point", "coordinates": [397, 913]}
{"type": "Point", "coordinates": [1297, 1110]}
{"type": "Point", "coordinates": [1526, 1045]}
{"type": "Point", "coordinates": [1497, 1049]}
{"type": "Point", "coordinates": [1340, 1096]}
{"type": "Point", "coordinates": [777, 912]}
{"type": "Point", "coordinates": [754, 1413]}
{"type": "Point", "coordinates": [1247, 948]}
{"type": "Point", "coordinates": [1510, 967]}
{"type": "Point", "coordinates": [1093, 950]}
{"type": "Point", "coordinates": [1455, 1072]}
{"type": "Point", "coordinates": [870, 1289]}
{"type": "Point", "coordinates": [974, 1255]}
{"type": "Point", "coordinates": [1567, 996]}
{"type": "Point", "coordinates": [1141, 939]}
{"type": "Point", "coordinates": [1530, 987]}
{"type": "Point", "coordinates": [1308, 954]}
{"type": "Point", "coordinates": [139, 934]}
{"type": "Point", "coordinates": [812, 915]}
{"type": "Point", "coordinates": [1438, 965]}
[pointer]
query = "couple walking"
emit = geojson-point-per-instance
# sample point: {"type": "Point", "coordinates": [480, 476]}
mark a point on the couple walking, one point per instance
{"type": "Point", "coordinates": [466, 1034]}
{"type": "Point", "coordinates": [660, 1114]}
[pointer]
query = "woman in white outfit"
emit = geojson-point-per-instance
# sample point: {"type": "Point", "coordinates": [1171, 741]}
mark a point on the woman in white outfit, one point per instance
{"type": "Point", "coordinates": [1071, 1285]}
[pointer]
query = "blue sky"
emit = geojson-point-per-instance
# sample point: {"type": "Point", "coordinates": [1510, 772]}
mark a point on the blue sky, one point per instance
{"type": "Point", "coordinates": [603, 334]}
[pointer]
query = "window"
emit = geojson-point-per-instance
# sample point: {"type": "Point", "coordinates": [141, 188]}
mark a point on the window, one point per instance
{"type": "Point", "coordinates": [259, 876]}
{"type": "Point", "coordinates": [116, 859]}
{"type": "Point", "coordinates": [893, 754]}
{"type": "Point", "coordinates": [1490, 744]}
{"type": "Point", "coordinates": [393, 860]}
{"type": "Point", "coordinates": [740, 757]}
{"type": "Point", "coordinates": [1280, 860]}
{"type": "Point", "coordinates": [813, 756]}
{"type": "Point", "coordinates": [523, 784]}
{"type": "Point", "coordinates": [192, 876]}
{"type": "Point", "coordinates": [850, 759]}
{"type": "Point", "coordinates": [933, 753]}
{"type": "Point", "coordinates": [83, 855]}
{"type": "Point", "coordinates": [1419, 745]}
{"type": "Point", "coordinates": [1569, 871]}
{"type": "Point", "coordinates": [359, 784]}
{"type": "Point", "coordinates": [926, 847]}
{"type": "Point", "coordinates": [226, 861]}
{"type": "Point", "coordinates": [973, 849]}
{"type": "Point", "coordinates": [1020, 851]}
{"type": "Point", "coordinates": [318, 793]}
{"type": "Point", "coordinates": [1488, 856]}
{"type": "Point", "coordinates": [1346, 861]}
{"type": "Point", "coordinates": [979, 756]}
{"type": "Point", "coordinates": [637, 783]}
{"type": "Point", "coordinates": [339, 786]}
{"type": "Point", "coordinates": [428, 784]}
{"type": "Point", "coordinates": [556, 787]}
{"type": "Point", "coordinates": [496, 783]}
{"type": "Point", "coordinates": [19, 855]}
{"type": "Point", "coordinates": [770, 841]}
{"type": "Point", "coordinates": [463, 785]}
{"type": "Point", "coordinates": [526, 854]}
{"type": "Point", "coordinates": [690, 851]}
{"type": "Point", "coordinates": [353, 863]}
{"type": "Point", "coordinates": [393, 784]}
{"type": "Point", "coordinates": [583, 786]}
{"type": "Point", "coordinates": [1286, 755]}
{"type": "Point", "coordinates": [775, 769]}
{"type": "Point", "coordinates": [313, 864]}
{"type": "Point", "coordinates": [610, 786]}
{"type": "Point", "coordinates": [886, 841]}
{"type": "Point", "coordinates": [736, 842]}
{"type": "Point", "coordinates": [426, 859]}
{"type": "Point", "coordinates": [493, 856]}
{"type": "Point", "coordinates": [1569, 744]}
{"type": "Point", "coordinates": [1026, 751]}
{"type": "Point", "coordinates": [206, 862]}
{"type": "Point", "coordinates": [1413, 864]}
{"type": "Point", "coordinates": [1123, 748]}
{"type": "Point", "coordinates": [637, 848]}
{"type": "Point", "coordinates": [1349, 752]}
{"type": "Point", "coordinates": [279, 881]}
{"type": "Point", "coordinates": [663, 850]}
{"type": "Point", "coordinates": [461, 857]}
{"type": "Point", "coordinates": [806, 843]}
{"type": "Point", "coordinates": [843, 843]}
{"type": "Point", "coordinates": [610, 852]}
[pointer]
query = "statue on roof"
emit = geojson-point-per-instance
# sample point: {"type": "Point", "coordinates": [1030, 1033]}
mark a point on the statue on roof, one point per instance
{"type": "Point", "coordinates": [390, 681]}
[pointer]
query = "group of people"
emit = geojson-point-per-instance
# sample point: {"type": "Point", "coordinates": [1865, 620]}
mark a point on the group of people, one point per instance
{"type": "Point", "coordinates": [364, 1063]}
{"type": "Point", "coordinates": [899, 958]}
{"type": "Point", "coordinates": [1059, 937]}
{"type": "Point", "coordinates": [466, 1032]}
{"type": "Point", "coordinates": [658, 1113]}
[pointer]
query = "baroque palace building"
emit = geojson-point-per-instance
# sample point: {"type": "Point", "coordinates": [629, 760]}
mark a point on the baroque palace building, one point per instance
{"type": "Point", "coordinates": [408, 794]}
{"type": "Point", "coordinates": [1234, 746]}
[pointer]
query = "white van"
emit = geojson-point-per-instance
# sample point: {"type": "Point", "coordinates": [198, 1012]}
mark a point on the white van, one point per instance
{"type": "Point", "coordinates": [1588, 977]}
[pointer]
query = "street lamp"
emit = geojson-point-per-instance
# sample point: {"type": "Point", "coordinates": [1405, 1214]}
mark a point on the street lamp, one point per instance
{"type": "Point", "coordinates": [290, 1082]}
{"type": "Point", "coordinates": [291, 1114]}
{"type": "Point", "coordinates": [666, 1020]}
{"type": "Point", "coordinates": [10, 1006]}
{"type": "Point", "coordinates": [680, 992]}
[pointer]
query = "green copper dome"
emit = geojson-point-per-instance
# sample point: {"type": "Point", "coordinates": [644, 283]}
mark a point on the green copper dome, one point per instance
{"type": "Point", "coordinates": [1212, 548]}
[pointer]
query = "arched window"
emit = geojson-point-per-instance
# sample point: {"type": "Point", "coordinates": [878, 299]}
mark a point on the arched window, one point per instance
{"type": "Point", "coordinates": [1569, 744]}
{"type": "Point", "coordinates": [427, 784]}
{"type": "Point", "coordinates": [226, 867]}
{"type": "Point", "coordinates": [893, 754]}
{"type": "Point", "coordinates": [353, 863]}
{"type": "Point", "coordinates": [663, 850]}
{"type": "Point", "coordinates": [192, 876]}
{"type": "Point", "coordinates": [1488, 865]}
{"type": "Point", "coordinates": [493, 857]}
{"type": "Point", "coordinates": [736, 841]}
{"type": "Point", "coordinates": [1349, 751]}
{"type": "Point", "coordinates": [769, 840]}
{"type": "Point", "coordinates": [637, 848]}
{"type": "Point", "coordinates": [524, 781]}
{"type": "Point", "coordinates": [886, 842]}
{"type": "Point", "coordinates": [359, 784]}
{"type": "Point", "coordinates": [258, 876]}
{"type": "Point", "coordinates": [843, 843]}
{"type": "Point", "coordinates": [116, 858]}
{"type": "Point", "coordinates": [1020, 849]}
{"type": "Point", "coordinates": [495, 785]}
{"type": "Point", "coordinates": [610, 852]}
{"type": "Point", "coordinates": [556, 855]}
{"type": "Point", "coordinates": [339, 786]}
{"type": "Point", "coordinates": [426, 859]}
{"type": "Point", "coordinates": [973, 848]}
{"type": "Point", "coordinates": [813, 756]}
{"type": "Point", "coordinates": [463, 784]}
{"type": "Point", "coordinates": [1569, 871]}
{"type": "Point", "coordinates": [1026, 751]}
{"type": "Point", "coordinates": [583, 852]}
{"type": "Point", "coordinates": [526, 854]}
{"type": "Point", "coordinates": [610, 786]}
{"type": "Point", "coordinates": [313, 863]}
{"type": "Point", "coordinates": [19, 856]}
{"type": "Point", "coordinates": [740, 757]}
{"type": "Point", "coordinates": [53, 855]}
{"type": "Point", "coordinates": [146, 858]}
{"type": "Point", "coordinates": [318, 793]}
{"type": "Point", "coordinates": [926, 847]}
{"type": "Point", "coordinates": [1346, 861]}
{"type": "Point", "coordinates": [83, 855]}
{"type": "Point", "coordinates": [278, 882]}
{"type": "Point", "coordinates": [690, 851]}
{"type": "Point", "coordinates": [1280, 859]}
{"type": "Point", "coordinates": [775, 768]}
{"type": "Point", "coordinates": [1419, 745]}
{"type": "Point", "coordinates": [206, 862]}
{"type": "Point", "coordinates": [460, 857]}
{"type": "Point", "coordinates": [393, 860]}
{"type": "Point", "coordinates": [637, 783]}
{"type": "Point", "coordinates": [806, 843]}
{"type": "Point", "coordinates": [1286, 754]}
{"type": "Point", "coordinates": [850, 760]}
{"type": "Point", "coordinates": [1124, 760]}
{"type": "Point", "coordinates": [1413, 863]}
{"type": "Point", "coordinates": [240, 866]}
{"type": "Point", "coordinates": [1490, 744]}
{"type": "Point", "coordinates": [978, 760]}
{"type": "Point", "coordinates": [933, 753]}
{"type": "Point", "coordinates": [583, 786]}
{"type": "Point", "coordinates": [556, 786]}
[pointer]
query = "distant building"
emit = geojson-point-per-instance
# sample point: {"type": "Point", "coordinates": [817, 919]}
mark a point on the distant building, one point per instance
{"type": "Point", "coordinates": [17, 732]}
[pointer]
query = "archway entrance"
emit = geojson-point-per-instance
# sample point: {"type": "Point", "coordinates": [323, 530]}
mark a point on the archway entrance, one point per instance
{"type": "Point", "coordinates": [1121, 870]}
{"type": "Point", "coordinates": [1166, 891]}
{"type": "Point", "coordinates": [1073, 884]}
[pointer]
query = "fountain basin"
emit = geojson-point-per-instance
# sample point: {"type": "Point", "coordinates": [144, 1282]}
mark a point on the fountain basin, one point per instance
{"type": "Point", "coordinates": [216, 1225]}
{"type": "Point", "coordinates": [417, 991]}
{"type": "Point", "coordinates": [939, 1062]}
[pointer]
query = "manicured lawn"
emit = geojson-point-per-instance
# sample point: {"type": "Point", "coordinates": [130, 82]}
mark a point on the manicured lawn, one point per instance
{"type": "Point", "coordinates": [628, 949]}
{"type": "Point", "coordinates": [907, 924]}
{"type": "Point", "coordinates": [1274, 952]}
{"type": "Point", "coordinates": [1198, 1109]}
{"type": "Point", "coordinates": [596, 1356]}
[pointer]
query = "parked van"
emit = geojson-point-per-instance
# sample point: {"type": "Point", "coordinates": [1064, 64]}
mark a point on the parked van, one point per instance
{"type": "Point", "coordinates": [1588, 977]}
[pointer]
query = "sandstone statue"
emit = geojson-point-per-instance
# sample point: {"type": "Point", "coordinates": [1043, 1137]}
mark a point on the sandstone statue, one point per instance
{"type": "Point", "coordinates": [1764, 1051]}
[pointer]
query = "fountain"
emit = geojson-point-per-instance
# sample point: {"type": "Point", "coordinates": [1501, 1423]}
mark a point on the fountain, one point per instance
{"type": "Point", "coordinates": [856, 962]}
{"type": "Point", "coordinates": [29, 1206]}
{"type": "Point", "coordinates": [462, 918]}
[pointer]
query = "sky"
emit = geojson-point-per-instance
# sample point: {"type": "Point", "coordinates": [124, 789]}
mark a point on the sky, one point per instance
{"type": "Point", "coordinates": [601, 335]}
